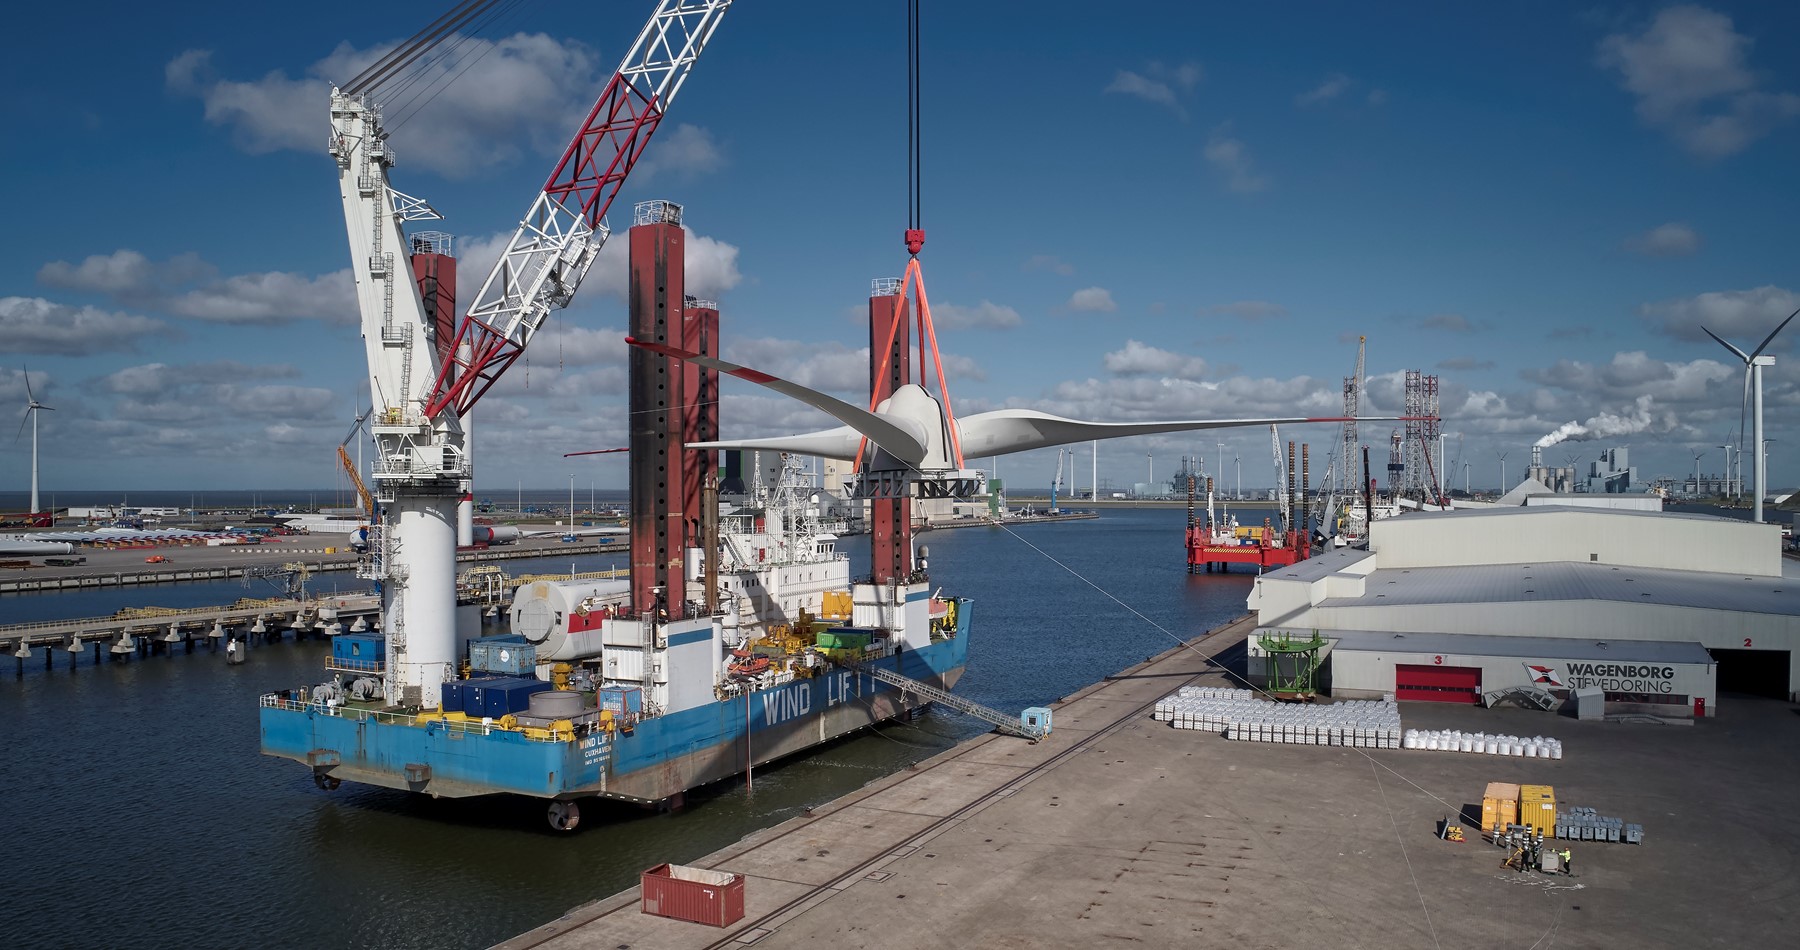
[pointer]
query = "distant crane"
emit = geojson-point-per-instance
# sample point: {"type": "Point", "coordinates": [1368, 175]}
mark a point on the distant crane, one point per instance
{"type": "Point", "coordinates": [1281, 487]}
{"type": "Point", "coordinates": [354, 470]}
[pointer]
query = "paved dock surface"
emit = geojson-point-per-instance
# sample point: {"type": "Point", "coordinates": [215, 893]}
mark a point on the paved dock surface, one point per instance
{"type": "Point", "coordinates": [1122, 830]}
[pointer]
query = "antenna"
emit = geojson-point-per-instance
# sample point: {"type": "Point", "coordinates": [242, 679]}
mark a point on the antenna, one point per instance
{"type": "Point", "coordinates": [1754, 361]}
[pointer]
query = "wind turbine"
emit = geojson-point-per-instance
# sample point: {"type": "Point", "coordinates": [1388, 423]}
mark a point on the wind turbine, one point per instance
{"type": "Point", "coordinates": [1754, 362]}
{"type": "Point", "coordinates": [1725, 489]}
{"type": "Point", "coordinates": [1697, 457]}
{"type": "Point", "coordinates": [1502, 471]}
{"type": "Point", "coordinates": [32, 407]}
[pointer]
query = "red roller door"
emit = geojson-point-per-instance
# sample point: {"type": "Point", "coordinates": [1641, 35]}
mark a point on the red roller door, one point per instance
{"type": "Point", "coordinates": [1438, 684]}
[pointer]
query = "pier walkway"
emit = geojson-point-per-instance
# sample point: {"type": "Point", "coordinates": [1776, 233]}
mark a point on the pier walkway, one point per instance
{"type": "Point", "coordinates": [121, 568]}
{"type": "Point", "coordinates": [122, 632]}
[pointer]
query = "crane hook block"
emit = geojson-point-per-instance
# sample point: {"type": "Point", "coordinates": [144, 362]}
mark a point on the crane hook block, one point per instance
{"type": "Point", "coordinates": [915, 239]}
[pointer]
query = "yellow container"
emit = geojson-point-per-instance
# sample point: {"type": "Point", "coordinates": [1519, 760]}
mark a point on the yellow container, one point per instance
{"type": "Point", "coordinates": [1499, 806]}
{"type": "Point", "coordinates": [1537, 808]}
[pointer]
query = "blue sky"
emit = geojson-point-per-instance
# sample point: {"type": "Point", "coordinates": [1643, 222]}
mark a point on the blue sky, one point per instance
{"type": "Point", "coordinates": [1180, 212]}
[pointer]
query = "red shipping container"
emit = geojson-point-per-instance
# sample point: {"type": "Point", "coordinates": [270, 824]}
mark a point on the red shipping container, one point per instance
{"type": "Point", "coordinates": [714, 898]}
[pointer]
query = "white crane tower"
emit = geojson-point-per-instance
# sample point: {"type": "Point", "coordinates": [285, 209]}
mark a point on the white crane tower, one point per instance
{"type": "Point", "coordinates": [422, 460]}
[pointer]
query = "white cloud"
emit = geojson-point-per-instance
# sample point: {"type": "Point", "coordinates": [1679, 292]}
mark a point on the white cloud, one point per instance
{"type": "Point", "coordinates": [1688, 68]}
{"type": "Point", "coordinates": [1249, 310]}
{"type": "Point", "coordinates": [1231, 158]}
{"type": "Point", "coordinates": [1452, 322]}
{"type": "Point", "coordinates": [572, 345]}
{"type": "Point", "coordinates": [187, 286]}
{"type": "Point", "coordinates": [124, 274]}
{"type": "Point", "coordinates": [985, 315]}
{"type": "Point", "coordinates": [685, 150]}
{"type": "Point", "coordinates": [1333, 86]}
{"type": "Point", "coordinates": [1742, 316]}
{"type": "Point", "coordinates": [1667, 240]}
{"type": "Point", "coordinates": [1632, 374]}
{"type": "Point", "coordinates": [1092, 300]}
{"type": "Point", "coordinates": [525, 92]}
{"type": "Point", "coordinates": [1137, 359]}
{"type": "Point", "coordinates": [270, 297]}
{"type": "Point", "coordinates": [828, 367]}
{"type": "Point", "coordinates": [36, 325]}
{"type": "Point", "coordinates": [1160, 84]}
{"type": "Point", "coordinates": [213, 396]}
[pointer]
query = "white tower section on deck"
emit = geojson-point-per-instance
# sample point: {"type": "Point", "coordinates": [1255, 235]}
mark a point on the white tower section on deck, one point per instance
{"type": "Point", "coordinates": [420, 464]}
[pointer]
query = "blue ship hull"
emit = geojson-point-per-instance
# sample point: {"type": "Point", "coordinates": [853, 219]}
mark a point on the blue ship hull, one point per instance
{"type": "Point", "coordinates": [660, 758]}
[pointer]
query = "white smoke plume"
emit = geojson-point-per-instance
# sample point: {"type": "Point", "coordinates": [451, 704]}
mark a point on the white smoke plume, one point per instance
{"type": "Point", "coordinates": [1607, 425]}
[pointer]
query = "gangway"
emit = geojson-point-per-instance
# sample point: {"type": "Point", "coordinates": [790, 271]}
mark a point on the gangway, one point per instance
{"type": "Point", "coordinates": [1034, 724]}
{"type": "Point", "coordinates": [1531, 697]}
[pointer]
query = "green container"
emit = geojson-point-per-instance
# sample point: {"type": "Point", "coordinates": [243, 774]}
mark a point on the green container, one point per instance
{"type": "Point", "coordinates": [842, 640]}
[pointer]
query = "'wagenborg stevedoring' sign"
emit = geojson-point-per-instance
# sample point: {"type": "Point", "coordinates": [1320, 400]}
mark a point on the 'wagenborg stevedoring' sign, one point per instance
{"type": "Point", "coordinates": [1611, 677]}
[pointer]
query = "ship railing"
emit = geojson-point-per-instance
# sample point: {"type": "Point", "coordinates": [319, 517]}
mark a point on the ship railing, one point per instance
{"type": "Point", "coordinates": [338, 665]}
{"type": "Point", "coordinates": [478, 727]}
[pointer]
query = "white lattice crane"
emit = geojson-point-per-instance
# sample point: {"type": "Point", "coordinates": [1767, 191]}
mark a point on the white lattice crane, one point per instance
{"type": "Point", "coordinates": [418, 401]}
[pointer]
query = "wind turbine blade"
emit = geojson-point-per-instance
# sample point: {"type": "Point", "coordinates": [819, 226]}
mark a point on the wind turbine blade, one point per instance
{"type": "Point", "coordinates": [897, 441]}
{"type": "Point", "coordinates": [1740, 353]}
{"type": "Point", "coordinates": [1005, 431]}
{"type": "Point", "coordinates": [22, 422]}
{"type": "Point", "coordinates": [1766, 340]}
{"type": "Point", "coordinates": [29, 395]}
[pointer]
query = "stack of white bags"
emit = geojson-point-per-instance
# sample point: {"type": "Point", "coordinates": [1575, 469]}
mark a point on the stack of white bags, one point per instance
{"type": "Point", "coordinates": [1238, 715]}
{"type": "Point", "coordinates": [1452, 740]}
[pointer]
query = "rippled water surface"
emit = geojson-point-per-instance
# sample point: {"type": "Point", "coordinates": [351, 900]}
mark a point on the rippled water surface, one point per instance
{"type": "Point", "coordinates": [139, 811]}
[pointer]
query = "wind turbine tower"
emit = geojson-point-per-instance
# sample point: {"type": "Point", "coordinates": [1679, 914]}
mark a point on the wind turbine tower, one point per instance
{"type": "Point", "coordinates": [1754, 361]}
{"type": "Point", "coordinates": [32, 408]}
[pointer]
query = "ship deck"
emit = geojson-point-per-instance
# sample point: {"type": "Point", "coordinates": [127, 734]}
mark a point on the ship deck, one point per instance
{"type": "Point", "coordinates": [1120, 828]}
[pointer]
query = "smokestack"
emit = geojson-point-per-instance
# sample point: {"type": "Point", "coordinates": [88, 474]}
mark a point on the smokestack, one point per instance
{"type": "Point", "coordinates": [1537, 456]}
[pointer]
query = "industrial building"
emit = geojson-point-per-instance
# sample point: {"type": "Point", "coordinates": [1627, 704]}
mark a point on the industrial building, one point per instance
{"type": "Point", "coordinates": [1661, 611]}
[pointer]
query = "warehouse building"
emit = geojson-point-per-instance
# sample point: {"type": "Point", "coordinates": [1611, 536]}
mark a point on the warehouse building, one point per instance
{"type": "Point", "coordinates": [1620, 594]}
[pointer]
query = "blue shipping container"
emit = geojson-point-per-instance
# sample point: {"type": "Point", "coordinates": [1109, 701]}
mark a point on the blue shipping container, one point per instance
{"type": "Point", "coordinates": [452, 697]}
{"type": "Point", "coordinates": [622, 700]}
{"type": "Point", "coordinates": [474, 694]}
{"type": "Point", "coordinates": [359, 651]}
{"type": "Point", "coordinates": [513, 696]}
{"type": "Point", "coordinates": [515, 658]}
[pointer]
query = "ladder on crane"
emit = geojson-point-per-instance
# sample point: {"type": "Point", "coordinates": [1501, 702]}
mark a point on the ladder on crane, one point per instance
{"type": "Point", "coordinates": [1011, 725]}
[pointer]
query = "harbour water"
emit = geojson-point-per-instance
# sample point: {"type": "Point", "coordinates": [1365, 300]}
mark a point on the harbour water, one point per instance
{"type": "Point", "coordinates": [142, 814]}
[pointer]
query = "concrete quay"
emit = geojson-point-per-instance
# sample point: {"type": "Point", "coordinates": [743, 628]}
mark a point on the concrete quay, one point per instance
{"type": "Point", "coordinates": [115, 568]}
{"type": "Point", "coordinates": [1122, 830]}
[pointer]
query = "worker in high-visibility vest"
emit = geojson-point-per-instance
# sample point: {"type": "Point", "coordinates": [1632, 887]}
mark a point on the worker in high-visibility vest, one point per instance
{"type": "Point", "coordinates": [1568, 862]}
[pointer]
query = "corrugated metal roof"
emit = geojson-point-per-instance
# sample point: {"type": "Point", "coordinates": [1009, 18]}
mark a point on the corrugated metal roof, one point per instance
{"type": "Point", "coordinates": [1552, 510]}
{"type": "Point", "coordinates": [1320, 565]}
{"type": "Point", "coordinates": [1625, 651]}
{"type": "Point", "coordinates": [1565, 581]}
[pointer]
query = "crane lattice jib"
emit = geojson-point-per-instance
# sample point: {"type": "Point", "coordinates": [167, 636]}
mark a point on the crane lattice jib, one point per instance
{"type": "Point", "coordinates": [563, 232]}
